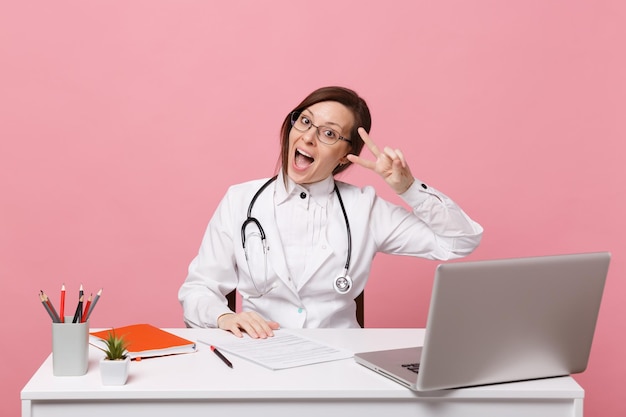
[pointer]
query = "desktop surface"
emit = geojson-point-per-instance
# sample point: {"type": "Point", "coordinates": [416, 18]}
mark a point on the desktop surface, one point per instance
{"type": "Point", "coordinates": [200, 382]}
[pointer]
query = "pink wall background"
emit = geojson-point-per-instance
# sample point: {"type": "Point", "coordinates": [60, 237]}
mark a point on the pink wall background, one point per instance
{"type": "Point", "coordinates": [123, 123]}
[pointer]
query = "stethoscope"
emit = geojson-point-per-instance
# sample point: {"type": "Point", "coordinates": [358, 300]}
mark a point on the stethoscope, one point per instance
{"type": "Point", "coordinates": [341, 284]}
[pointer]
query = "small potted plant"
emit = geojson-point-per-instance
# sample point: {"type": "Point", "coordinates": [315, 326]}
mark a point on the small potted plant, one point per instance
{"type": "Point", "coordinates": [114, 366]}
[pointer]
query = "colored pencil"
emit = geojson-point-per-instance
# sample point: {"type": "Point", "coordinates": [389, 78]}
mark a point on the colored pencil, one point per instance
{"type": "Point", "coordinates": [87, 305]}
{"type": "Point", "coordinates": [47, 307]}
{"type": "Point", "coordinates": [93, 304]}
{"type": "Point", "coordinates": [55, 315]}
{"type": "Point", "coordinates": [62, 312]}
{"type": "Point", "coordinates": [79, 310]}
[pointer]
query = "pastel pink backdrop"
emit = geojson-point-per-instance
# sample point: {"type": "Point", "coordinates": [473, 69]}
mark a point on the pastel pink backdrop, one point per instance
{"type": "Point", "coordinates": [123, 123]}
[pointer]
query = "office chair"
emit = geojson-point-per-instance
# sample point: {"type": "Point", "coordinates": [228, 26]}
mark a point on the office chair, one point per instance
{"type": "Point", "coordinates": [360, 306]}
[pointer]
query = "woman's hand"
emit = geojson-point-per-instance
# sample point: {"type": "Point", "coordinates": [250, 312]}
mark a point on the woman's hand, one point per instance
{"type": "Point", "coordinates": [248, 321]}
{"type": "Point", "coordinates": [389, 164]}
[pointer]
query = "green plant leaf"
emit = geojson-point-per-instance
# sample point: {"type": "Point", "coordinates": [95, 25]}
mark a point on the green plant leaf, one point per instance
{"type": "Point", "coordinates": [115, 346]}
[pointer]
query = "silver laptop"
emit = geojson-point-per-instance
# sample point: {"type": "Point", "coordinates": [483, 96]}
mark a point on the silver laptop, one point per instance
{"type": "Point", "coordinates": [502, 321]}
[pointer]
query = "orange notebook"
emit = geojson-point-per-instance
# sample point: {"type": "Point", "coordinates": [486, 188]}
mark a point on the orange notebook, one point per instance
{"type": "Point", "coordinates": [146, 341]}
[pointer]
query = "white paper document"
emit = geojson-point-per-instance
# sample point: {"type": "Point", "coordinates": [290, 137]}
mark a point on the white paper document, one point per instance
{"type": "Point", "coordinates": [284, 350]}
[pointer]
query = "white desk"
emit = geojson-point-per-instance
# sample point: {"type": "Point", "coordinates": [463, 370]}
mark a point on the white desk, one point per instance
{"type": "Point", "coordinates": [199, 384]}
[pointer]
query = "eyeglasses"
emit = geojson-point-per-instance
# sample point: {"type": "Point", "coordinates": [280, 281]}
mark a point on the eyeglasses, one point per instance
{"type": "Point", "coordinates": [302, 123]}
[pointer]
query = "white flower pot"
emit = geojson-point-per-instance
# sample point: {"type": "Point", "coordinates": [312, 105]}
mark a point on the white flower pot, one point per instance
{"type": "Point", "coordinates": [114, 372]}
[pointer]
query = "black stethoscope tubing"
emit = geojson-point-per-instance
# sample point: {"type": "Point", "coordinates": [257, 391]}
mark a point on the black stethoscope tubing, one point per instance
{"type": "Point", "coordinates": [250, 219]}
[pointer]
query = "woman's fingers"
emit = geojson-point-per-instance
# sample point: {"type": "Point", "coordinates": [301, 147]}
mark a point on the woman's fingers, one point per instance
{"type": "Point", "coordinates": [365, 163]}
{"type": "Point", "coordinates": [395, 154]}
{"type": "Point", "coordinates": [390, 164]}
{"type": "Point", "coordinates": [369, 142]}
{"type": "Point", "coordinates": [250, 322]}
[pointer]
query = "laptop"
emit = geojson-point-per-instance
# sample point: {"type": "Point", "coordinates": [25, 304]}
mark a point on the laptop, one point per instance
{"type": "Point", "coordinates": [501, 321]}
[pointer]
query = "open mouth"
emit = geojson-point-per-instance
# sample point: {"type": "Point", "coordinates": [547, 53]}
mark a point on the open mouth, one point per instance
{"type": "Point", "coordinates": [302, 159]}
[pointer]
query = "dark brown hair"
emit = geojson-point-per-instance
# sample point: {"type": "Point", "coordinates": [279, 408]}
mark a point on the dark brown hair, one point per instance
{"type": "Point", "coordinates": [345, 96]}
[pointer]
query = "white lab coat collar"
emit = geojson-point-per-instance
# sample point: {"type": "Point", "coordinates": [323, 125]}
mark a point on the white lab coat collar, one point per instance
{"type": "Point", "coordinates": [320, 191]}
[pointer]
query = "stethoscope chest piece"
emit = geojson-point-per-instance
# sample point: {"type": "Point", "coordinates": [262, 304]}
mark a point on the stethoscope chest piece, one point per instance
{"type": "Point", "coordinates": [343, 284]}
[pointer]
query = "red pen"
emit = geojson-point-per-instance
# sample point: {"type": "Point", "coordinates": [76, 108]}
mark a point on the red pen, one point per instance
{"type": "Point", "coordinates": [222, 357]}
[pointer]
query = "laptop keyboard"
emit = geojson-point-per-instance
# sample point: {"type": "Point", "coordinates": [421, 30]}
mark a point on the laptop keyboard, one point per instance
{"type": "Point", "coordinates": [413, 367]}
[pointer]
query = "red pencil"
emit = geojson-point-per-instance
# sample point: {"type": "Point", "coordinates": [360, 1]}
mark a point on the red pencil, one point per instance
{"type": "Point", "coordinates": [62, 318]}
{"type": "Point", "coordinates": [84, 319]}
{"type": "Point", "coordinates": [95, 301]}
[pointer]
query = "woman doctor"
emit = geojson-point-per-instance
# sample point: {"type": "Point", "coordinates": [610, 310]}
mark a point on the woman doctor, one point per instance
{"type": "Point", "coordinates": [299, 247]}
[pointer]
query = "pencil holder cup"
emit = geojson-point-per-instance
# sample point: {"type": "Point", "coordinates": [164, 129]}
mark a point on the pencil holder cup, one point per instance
{"type": "Point", "coordinates": [70, 348]}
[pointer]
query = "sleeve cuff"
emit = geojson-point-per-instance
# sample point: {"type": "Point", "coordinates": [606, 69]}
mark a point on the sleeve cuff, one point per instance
{"type": "Point", "coordinates": [417, 193]}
